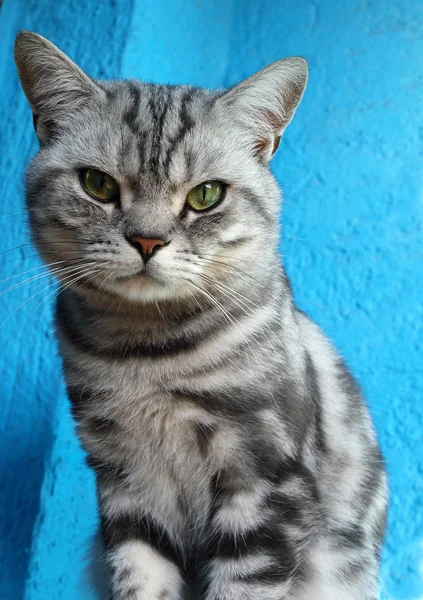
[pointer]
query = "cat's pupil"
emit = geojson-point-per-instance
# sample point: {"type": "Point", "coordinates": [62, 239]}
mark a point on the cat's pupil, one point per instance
{"type": "Point", "coordinates": [101, 181]}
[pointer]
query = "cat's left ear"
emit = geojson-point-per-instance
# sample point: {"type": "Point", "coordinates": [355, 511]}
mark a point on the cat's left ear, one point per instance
{"type": "Point", "coordinates": [265, 103]}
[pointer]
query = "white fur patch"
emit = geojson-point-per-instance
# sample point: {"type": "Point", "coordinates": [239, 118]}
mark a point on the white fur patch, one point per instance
{"type": "Point", "coordinates": [151, 575]}
{"type": "Point", "coordinates": [242, 512]}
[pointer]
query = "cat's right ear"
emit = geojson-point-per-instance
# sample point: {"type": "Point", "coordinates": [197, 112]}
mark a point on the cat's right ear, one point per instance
{"type": "Point", "coordinates": [265, 103]}
{"type": "Point", "coordinates": [55, 86]}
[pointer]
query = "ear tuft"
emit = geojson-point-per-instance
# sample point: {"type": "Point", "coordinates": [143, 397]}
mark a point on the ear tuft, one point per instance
{"type": "Point", "coordinates": [54, 86]}
{"type": "Point", "coordinates": [266, 102]}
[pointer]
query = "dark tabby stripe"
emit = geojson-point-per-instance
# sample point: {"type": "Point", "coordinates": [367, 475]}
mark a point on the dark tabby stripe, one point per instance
{"type": "Point", "coordinates": [81, 398]}
{"type": "Point", "coordinates": [76, 335]}
{"type": "Point", "coordinates": [312, 384]}
{"type": "Point", "coordinates": [127, 527]}
{"type": "Point", "coordinates": [130, 116]}
{"type": "Point", "coordinates": [272, 574]}
{"type": "Point", "coordinates": [353, 537]}
{"type": "Point", "coordinates": [186, 124]}
{"type": "Point", "coordinates": [159, 107]}
{"type": "Point", "coordinates": [204, 436]}
{"type": "Point", "coordinates": [42, 186]}
{"type": "Point", "coordinates": [107, 471]}
{"type": "Point", "coordinates": [257, 203]}
{"type": "Point", "coordinates": [264, 538]}
{"type": "Point", "coordinates": [217, 402]}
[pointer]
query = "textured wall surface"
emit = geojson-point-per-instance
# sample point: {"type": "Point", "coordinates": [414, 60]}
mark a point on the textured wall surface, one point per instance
{"type": "Point", "coordinates": [352, 171]}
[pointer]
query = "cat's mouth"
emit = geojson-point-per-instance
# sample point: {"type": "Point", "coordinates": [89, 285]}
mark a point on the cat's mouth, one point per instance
{"type": "Point", "coordinates": [137, 276]}
{"type": "Point", "coordinates": [142, 278]}
{"type": "Point", "coordinates": [136, 273]}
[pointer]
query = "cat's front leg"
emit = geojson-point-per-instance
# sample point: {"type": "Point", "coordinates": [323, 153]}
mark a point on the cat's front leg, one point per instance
{"type": "Point", "coordinates": [255, 577]}
{"type": "Point", "coordinates": [255, 554]}
{"type": "Point", "coordinates": [140, 564]}
{"type": "Point", "coordinates": [138, 572]}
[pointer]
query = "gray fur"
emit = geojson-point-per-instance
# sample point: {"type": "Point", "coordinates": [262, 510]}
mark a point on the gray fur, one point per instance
{"type": "Point", "coordinates": [234, 456]}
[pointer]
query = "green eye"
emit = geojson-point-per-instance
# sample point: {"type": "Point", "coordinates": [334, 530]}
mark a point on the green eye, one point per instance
{"type": "Point", "coordinates": [100, 185]}
{"type": "Point", "coordinates": [205, 195]}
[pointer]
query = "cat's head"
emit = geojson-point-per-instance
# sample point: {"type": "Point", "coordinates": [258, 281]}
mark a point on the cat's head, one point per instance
{"type": "Point", "coordinates": [148, 191]}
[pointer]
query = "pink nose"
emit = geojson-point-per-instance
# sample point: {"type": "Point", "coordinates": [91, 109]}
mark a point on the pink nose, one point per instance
{"type": "Point", "coordinates": [147, 246]}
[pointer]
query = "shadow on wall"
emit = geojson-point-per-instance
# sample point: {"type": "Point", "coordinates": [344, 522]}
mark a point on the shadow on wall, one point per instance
{"type": "Point", "coordinates": [22, 473]}
{"type": "Point", "coordinates": [28, 391]}
{"type": "Point", "coordinates": [30, 371]}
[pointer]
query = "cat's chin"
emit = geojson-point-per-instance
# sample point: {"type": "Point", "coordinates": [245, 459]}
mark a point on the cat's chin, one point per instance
{"type": "Point", "coordinates": [139, 288]}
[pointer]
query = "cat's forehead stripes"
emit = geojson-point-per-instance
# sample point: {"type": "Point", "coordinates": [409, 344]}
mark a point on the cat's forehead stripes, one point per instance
{"type": "Point", "coordinates": [159, 117]}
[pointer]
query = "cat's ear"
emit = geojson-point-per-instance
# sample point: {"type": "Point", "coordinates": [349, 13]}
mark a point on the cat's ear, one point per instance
{"type": "Point", "coordinates": [265, 103]}
{"type": "Point", "coordinates": [54, 86]}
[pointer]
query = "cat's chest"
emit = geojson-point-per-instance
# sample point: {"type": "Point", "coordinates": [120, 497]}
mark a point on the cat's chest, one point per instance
{"type": "Point", "coordinates": [164, 450]}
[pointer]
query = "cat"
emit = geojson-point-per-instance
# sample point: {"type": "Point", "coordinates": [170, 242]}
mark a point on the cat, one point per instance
{"type": "Point", "coordinates": [234, 456]}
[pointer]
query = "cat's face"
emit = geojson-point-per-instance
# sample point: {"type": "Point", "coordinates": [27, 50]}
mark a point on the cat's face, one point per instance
{"type": "Point", "coordinates": [153, 192]}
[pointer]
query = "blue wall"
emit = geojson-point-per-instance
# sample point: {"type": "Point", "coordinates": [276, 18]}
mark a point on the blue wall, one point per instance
{"type": "Point", "coordinates": [352, 171]}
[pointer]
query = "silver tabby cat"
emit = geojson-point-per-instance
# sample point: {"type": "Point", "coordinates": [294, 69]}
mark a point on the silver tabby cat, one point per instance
{"type": "Point", "coordinates": [234, 457]}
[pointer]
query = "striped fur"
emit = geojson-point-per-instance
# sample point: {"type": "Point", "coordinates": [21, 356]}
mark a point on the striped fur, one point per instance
{"type": "Point", "coordinates": [234, 456]}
